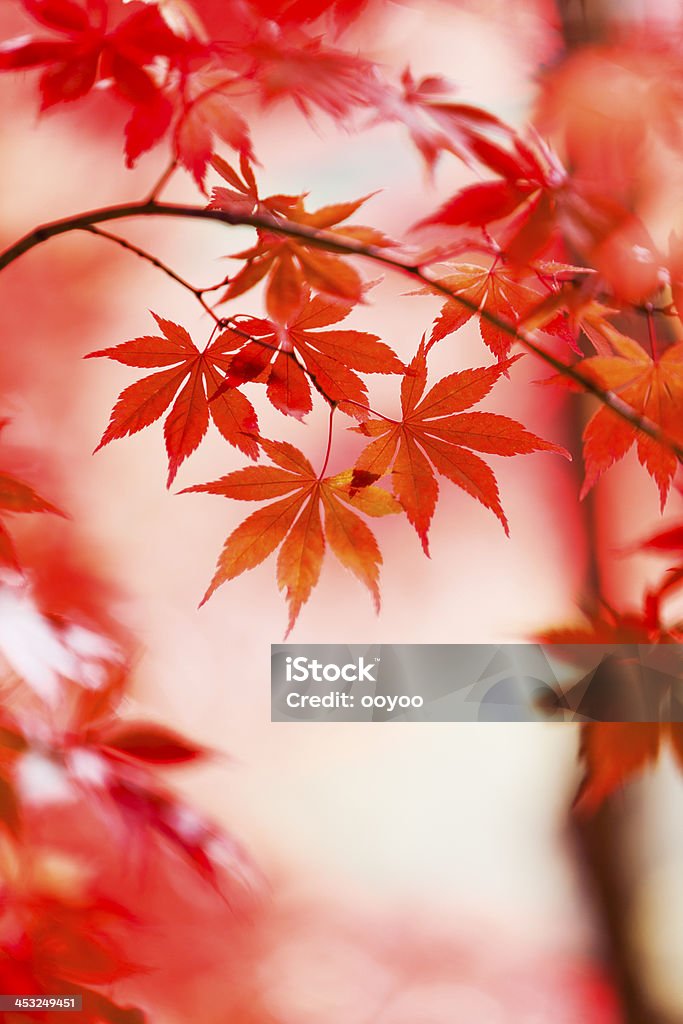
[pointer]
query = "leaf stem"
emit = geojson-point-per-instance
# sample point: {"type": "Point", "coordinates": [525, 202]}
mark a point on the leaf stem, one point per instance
{"type": "Point", "coordinates": [216, 327]}
{"type": "Point", "coordinates": [652, 333]}
{"type": "Point", "coordinates": [329, 442]}
{"type": "Point", "coordinates": [346, 246]}
{"type": "Point", "coordinates": [163, 181]}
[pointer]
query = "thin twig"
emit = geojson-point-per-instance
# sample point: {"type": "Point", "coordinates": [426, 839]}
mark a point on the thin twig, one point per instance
{"type": "Point", "coordinates": [215, 287]}
{"type": "Point", "coordinates": [155, 262]}
{"type": "Point", "coordinates": [163, 181]}
{"type": "Point", "coordinates": [346, 246]}
{"type": "Point", "coordinates": [199, 295]}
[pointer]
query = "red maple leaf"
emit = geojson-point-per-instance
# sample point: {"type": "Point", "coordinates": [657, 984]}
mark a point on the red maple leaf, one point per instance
{"type": "Point", "coordinates": [527, 187]}
{"type": "Point", "coordinates": [437, 124]}
{"type": "Point", "coordinates": [209, 112]}
{"type": "Point", "coordinates": [293, 523]}
{"type": "Point", "coordinates": [287, 358]}
{"type": "Point", "coordinates": [436, 434]}
{"type": "Point", "coordinates": [17, 496]}
{"type": "Point", "coordinates": [285, 61]}
{"type": "Point", "coordinates": [87, 49]}
{"type": "Point", "coordinates": [535, 200]}
{"type": "Point", "coordinates": [243, 195]}
{"type": "Point", "coordinates": [189, 376]}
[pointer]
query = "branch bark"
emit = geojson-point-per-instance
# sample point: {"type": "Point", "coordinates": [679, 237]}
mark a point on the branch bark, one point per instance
{"type": "Point", "coordinates": [530, 340]}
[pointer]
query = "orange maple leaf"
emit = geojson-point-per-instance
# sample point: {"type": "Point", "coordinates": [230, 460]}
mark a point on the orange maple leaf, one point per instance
{"type": "Point", "coordinates": [654, 389]}
{"type": "Point", "coordinates": [190, 376]}
{"type": "Point", "coordinates": [291, 266]}
{"type": "Point", "coordinates": [494, 289]}
{"type": "Point", "coordinates": [436, 434]}
{"type": "Point", "coordinates": [293, 523]}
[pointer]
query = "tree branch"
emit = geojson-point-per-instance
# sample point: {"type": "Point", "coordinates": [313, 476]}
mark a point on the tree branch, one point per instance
{"type": "Point", "coordinates": [348, 247]}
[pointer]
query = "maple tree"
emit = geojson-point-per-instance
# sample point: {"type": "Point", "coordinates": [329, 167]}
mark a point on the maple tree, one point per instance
{"type": "Point", "coordinates": [556, 261]}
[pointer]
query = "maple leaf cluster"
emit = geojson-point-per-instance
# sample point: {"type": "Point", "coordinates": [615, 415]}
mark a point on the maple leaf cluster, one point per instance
{"type": "Point", "coordinates": [519, 220]}
{"type": "Point", "coordinates": [89, 44]}
{"type": "Point", "coordinates": [184, 73]}
{"type": "Point", "coordinates": [434, 435]}
{"type": "Point", "coordinates": [298, 352]}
